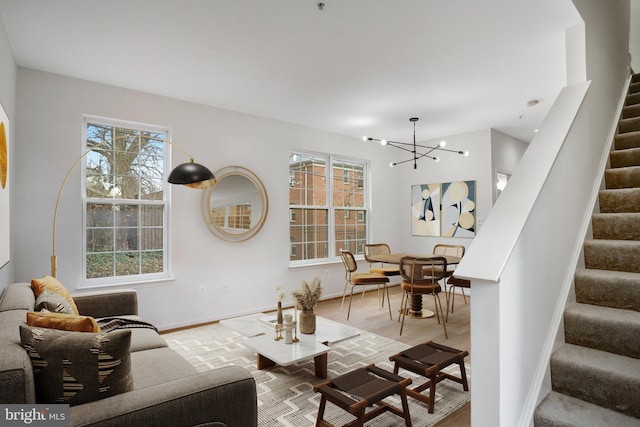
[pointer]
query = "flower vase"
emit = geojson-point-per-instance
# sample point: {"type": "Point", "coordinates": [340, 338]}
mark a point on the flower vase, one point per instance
{"type": "Point", "coordinates": [307, 322]}
{"type": "Point", "coordinates": [279, 313]}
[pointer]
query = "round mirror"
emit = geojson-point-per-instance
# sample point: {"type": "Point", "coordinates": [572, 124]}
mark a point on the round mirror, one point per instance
{"type": "Point", "coordinates": [236, 207]}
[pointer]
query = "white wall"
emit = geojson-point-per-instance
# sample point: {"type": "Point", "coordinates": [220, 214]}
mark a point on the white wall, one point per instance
{"type": "Point", "coordinates": [634, 36]}
{"type": "Point", "coordinates": [506, 153]}
{"type": "Point", "coordinates": [50, 117]}
{"type": "Point", "coordinates": [8, 71]}
{"type": "Point", "coordinates": [451, 167]}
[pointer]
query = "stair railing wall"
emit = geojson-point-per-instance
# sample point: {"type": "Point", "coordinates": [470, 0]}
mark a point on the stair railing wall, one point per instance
{"type": "Point", "coordinates": [541, 385]}
{"type": "Point", "coordinates": [512, 287]}
{"type": "Point", "coordinates": [523, 259]}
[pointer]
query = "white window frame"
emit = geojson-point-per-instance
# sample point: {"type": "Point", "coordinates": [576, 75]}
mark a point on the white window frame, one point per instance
{"type": "Point", "coordinates": [166, 274]}
{"type": "Point", "coordinates": [330, 160]}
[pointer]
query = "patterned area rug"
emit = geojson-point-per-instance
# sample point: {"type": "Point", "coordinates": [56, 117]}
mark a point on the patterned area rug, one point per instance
{"type": "Point", "coordinates": [285, 394]}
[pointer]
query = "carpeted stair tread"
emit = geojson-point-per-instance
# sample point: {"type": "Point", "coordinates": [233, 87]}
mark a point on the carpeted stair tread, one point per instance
{"type": "Point", "coordinates": [616, 289]}
{"type": "Point", "coordinates": [560, 410]}
{"type": "Point", "coordinates": [619, 200]}
{"type": "Point", "coordinates": [625, 158]}
{"type": "Point", "coordinates": [629, 125]}
{"type": "Point", "coordinates": [632, 98]}
{"type": "Point", "coordinates": [619, 255]}
{"type": "Point", "coordinates": [595, 375]}
{"type": "Point", "coordinates": [603, 328]}
{"type": "Point", "coordinates": [605, 379]}
{"type": "Point", "coordinates": [616, 226]}
{"type": "Point", "coordinates": [631, 111]}
{"type": "Point", "coordinates": [627, 140]}
{"type": "Point", "coordinates": [628, 177]}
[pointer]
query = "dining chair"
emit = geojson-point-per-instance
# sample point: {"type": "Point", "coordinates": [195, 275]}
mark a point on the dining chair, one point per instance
{"type": "Point", "coordinates": [373, 249]}
{"type": "Point", "coordinates": [421, 276]}
{"type": "Point", "coordinates": [456, 282]}
{"type": "Point", "coordinates": [354, 279]}
{"type": "Point", "coordinates": [448, 250]}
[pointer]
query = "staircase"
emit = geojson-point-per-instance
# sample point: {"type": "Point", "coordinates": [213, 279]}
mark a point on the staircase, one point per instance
{"type": "Point", "coordinates": [595, 375]}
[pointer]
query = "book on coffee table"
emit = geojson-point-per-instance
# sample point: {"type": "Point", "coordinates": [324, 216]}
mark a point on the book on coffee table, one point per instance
{"type": "Point", "coordinates": [270, 321]}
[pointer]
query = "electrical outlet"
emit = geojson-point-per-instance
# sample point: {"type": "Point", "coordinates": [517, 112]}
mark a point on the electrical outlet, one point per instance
{"type": "Point", "coordinates": [203, 290]}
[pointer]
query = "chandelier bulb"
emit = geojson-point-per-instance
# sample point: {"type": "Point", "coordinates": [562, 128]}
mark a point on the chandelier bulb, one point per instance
{"type": "Point", "coordinates": [383, 142]}
{"type": "Point", "coordinates": [392, 164]}
{"type": "Point", "coordinates": [365, 138]}
{"type": "Point", "coordinates": [443, 143]}
{"type": "Point", "coordinates": [437, 159]}
{"type": "Point", "coordinates": [466, 154]}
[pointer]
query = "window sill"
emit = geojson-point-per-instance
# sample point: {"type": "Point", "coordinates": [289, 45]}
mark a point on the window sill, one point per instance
{"type": "Point", "coordinates": [165, 281]}
{"type": "Point", "coordinates": [320, 263]}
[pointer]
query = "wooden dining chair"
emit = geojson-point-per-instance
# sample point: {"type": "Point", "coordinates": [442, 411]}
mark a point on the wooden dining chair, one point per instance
{"type": "Point", "coordinates": [371, 250]}
{"type": "Point", "coordinates": [448, 250]}
{"type": "Point", "coordinates": [421, 276]}
{"type": "Point", "coordinates": [354, 279]}
{"type": "Point", "coordinates": [456, 282]}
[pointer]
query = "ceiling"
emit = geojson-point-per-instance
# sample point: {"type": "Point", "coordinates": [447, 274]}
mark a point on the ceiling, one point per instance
{"type": "Point", "coordinates": [356, 67]}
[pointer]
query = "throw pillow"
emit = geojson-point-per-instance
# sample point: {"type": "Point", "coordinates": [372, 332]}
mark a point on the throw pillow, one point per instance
{"type": "Point", "coordinates": [76, 368]}
{"type": "Point", "coordinates": [53, 302]}
{"type": "Point", "coordinates": [62, 321]}
{"type": "Point", "coordinates": [52, 284]}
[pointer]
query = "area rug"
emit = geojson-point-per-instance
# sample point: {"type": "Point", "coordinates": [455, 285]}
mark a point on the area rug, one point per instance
{"type": "Point", "coordinates": [285, 394]}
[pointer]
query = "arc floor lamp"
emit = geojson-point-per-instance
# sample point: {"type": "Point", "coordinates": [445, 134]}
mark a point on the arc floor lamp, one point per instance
{"type": "Point", "coordinates": [191, 174]}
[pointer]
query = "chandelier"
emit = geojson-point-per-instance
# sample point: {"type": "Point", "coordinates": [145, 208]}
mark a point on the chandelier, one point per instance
{"type": "Point", "coordinates": [413, 148]}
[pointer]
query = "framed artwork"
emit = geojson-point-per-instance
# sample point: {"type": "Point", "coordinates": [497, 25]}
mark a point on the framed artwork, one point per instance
{"type": "Point", "coordinates": [4, 187]}
{"type": "Point", "coordinates": [425, 210]}
{"type": "Point", "coordinates": [459, 209]}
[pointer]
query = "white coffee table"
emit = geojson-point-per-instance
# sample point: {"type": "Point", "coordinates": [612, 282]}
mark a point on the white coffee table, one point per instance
{"type": "Point", "coordinates": [271, 352]}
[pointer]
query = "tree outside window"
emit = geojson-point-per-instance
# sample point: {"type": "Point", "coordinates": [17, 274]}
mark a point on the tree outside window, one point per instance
{"type": "Point", "coordinates": [124, 201]}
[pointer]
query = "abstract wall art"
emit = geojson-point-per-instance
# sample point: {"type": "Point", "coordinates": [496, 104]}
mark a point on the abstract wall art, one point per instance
{"type": "Point", "coordinates": [4, 187]}
{"type": "Point", "coordinates": [425, 210]}
{"type": "Point", "coordinates": [459, 209]}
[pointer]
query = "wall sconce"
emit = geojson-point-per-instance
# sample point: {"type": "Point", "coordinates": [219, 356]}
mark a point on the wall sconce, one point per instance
{"type": "Point", "coordinates": [413, 147]}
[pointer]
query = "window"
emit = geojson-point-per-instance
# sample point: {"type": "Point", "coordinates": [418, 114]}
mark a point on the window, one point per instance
{"type": "Point", "coordinates": [125, 202]}
{"type": "Point", "coordinates": [328, 206]}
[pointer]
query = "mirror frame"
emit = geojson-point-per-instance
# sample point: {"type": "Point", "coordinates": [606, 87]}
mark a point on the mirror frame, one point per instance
{"type": "Point", "coordinates": [206, 204]}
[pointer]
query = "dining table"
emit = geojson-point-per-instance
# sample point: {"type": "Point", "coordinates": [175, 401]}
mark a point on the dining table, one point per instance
{"type": "Point", "coordinates": [416, 310]}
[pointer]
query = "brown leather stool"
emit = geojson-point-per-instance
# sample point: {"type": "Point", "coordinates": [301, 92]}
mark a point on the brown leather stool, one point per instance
{"type": "Point", "coordinates": [428, 360]}
{"type": "Point", "coordinates": [361, 388]}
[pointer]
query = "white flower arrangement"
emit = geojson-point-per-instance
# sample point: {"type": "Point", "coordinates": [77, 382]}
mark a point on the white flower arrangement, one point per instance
{"type": "Point", "coordinates": [282, 293]}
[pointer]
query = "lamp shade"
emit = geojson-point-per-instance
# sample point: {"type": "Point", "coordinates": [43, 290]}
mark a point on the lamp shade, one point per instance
{"type": "Point", "coordinates": [192, 175]}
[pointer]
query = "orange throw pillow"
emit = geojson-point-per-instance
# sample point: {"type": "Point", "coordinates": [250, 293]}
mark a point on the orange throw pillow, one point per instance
{"type": "Point", "coordinates": [51, 283]}
{"type": "Point", "coordinates": [62, 321]}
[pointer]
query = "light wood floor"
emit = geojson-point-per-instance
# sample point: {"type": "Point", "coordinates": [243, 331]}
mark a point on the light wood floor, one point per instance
{"type": "Point", "coordinates": [366, 315]}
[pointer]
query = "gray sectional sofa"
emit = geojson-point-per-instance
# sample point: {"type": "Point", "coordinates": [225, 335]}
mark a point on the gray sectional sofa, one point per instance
{"type": "Point", "coordinates": [167, 390]}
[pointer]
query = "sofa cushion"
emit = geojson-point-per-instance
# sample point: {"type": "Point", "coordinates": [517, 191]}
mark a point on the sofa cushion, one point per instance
{"type": "Point", "coordinates": [17, 296]}
{"type": "Point", "coordinates": [52, 284]}
{"type": "Point", "coordinates": [62, 321]}
{"type": "Point", "coordinates": [158, 366]}
{"type": "Point", "coordinates": [49, 300]}
{"type": "Point", "coordinates": [77, 367]}
{"type": "Point", "coordinates": [141, 338]}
